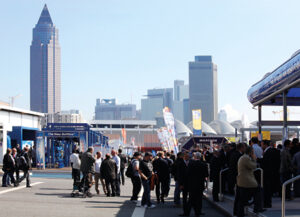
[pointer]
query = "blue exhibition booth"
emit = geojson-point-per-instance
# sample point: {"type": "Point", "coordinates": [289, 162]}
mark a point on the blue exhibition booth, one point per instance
{"type": "Point", "coordinates": [59, 139]}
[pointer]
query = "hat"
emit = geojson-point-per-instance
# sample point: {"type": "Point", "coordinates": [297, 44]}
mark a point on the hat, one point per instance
{"type": "Point", "coordinates": [148, 154]}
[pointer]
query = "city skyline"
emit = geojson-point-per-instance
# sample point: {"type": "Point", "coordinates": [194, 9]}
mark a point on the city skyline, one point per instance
{"type": "Point", "coordinates": [158, 46]}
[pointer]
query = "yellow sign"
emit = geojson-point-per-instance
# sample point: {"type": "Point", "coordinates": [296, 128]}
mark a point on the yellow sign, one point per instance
{"type": "Point", "coordinates": [265, 134]}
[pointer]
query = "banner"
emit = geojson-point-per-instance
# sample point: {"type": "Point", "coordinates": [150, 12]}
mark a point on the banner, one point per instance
{"type": "Point", "coordinates": [170, 123]}
{"type": "Point", "coordinates": [265, 134]}
{"type": "Point", "coordinates": [124, 135]}
{"type": "Point", "coordinates": [197, 122]}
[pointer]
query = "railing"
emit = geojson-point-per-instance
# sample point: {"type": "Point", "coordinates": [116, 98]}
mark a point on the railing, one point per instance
{"type": "Point", "coordinates": [220, 183]}
{"type": "Point", "coordinates": [261, 176]}
{"type": "Point", "coordinates": [283, 193]}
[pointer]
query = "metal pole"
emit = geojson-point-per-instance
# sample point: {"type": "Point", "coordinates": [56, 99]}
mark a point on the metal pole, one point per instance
{"type": "Point", "coordinates": [259, 123]}
{"type": "Point", "coordinates": [285, 129]}
{"type": "Point", "coordinates": [283, 201]}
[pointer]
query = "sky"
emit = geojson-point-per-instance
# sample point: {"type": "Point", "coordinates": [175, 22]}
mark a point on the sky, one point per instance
{"type": "Point", "coordinates": [120, 48]}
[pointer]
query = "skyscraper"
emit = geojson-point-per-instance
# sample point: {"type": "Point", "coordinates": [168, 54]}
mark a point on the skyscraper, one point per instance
{"type": "Point", "coordinates": [45, 68]}
{"type": "Point", "coordinates": [204, 87]}
{"type": "Point", "coordinates": [156, 100]}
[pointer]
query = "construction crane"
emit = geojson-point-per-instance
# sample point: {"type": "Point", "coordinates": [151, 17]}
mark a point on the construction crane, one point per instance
{"type": "Point", "coordinates": [12, 99]}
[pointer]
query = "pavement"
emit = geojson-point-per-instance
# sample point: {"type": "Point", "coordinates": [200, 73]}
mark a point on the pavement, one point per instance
{"type": "Point", "coordinates": [50, 197]}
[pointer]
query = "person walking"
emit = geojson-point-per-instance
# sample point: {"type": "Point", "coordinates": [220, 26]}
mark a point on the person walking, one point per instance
{"type": "Point", "coordinates": [116, 158]}
{"type": "Point", "coordinates": [135, 176]}
{"type": "Point", "coordinates": [161, 168]}
{"type": "Point", "coordinates": [108, 171]}
{"type": "Point", "coordinates": [16, 159]}
{"type": "Point", "coordinates": [123, 160]}
{"type": "Point", "coordinates": [183, 181]}
{"type": "Point", "coordinates": [197, 172]}
{"type": "Point", "coordinates": [98, 174]}
{"type": "Point", "coordinates": [87, 169]}
{"type": "Point", "coordinates": [75, 164]}
{"type": "Point", "coordinates": [25, 166]}
{"type": "Point", "coordinates": [8, 168]}
{"type": "Point", "coordinates": [175, 175]}
{"type": "Point", "coordinates": [146, 171]}
{"type": "Point", "coordinates": [215, 168]}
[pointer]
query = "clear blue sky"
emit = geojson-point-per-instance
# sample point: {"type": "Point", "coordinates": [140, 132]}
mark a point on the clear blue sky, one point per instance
{"type": "Point", "coordinates": [121, 48]}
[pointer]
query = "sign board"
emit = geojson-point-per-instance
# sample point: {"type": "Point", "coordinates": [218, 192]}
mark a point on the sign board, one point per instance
{"type": "Point", "coordinates": [265, 134]}
{"type": "Point", "coordinates": [197, 122]}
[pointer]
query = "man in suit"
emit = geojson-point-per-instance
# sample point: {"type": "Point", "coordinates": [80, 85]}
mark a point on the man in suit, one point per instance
{"type": "Point", "coordinates": [161, 168]}
{"type": "Point", "coordinates": [87, 168]}
{"type": "Point", "coordinates": [109, 171]}
{"type": "Point", "coordinates": [25, 166]}
{"type": "Point", "coordinates": [8, 168]}
{"type": "Point", "coordinates": [123, 159]}
{"type": "Point", "coordinates": [270, 165]}
{"type": "Point", "coordinates": [232, 165]}
{"type": "Point", "coordinates": [197, 172]}
{"type": "Point", "coordinates": [182, 176]}
{"type": "Point", "coordinates": [15, 156]}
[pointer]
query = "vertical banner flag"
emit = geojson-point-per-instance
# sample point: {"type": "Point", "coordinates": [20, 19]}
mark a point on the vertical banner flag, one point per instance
{"type": "Point", "coordinates": [124, 135]}
{"type": "Point", "coordinates": [170, 122]}
{"type": "Point", "coordinates": [197, 122]}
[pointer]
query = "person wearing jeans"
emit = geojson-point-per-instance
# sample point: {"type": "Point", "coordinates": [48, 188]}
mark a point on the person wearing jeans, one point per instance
{"type": "Point", "coordinates": [145, 171]}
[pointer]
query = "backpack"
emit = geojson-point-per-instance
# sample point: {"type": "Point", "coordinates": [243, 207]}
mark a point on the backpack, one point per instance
{"type": "Point", "coordinates": [129, 171]}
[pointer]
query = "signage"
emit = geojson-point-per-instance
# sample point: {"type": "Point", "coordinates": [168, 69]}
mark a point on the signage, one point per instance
{"type": "Point", "coordinates": [265, 134]}
{"type": "Point", "coordinates": [197, 122]}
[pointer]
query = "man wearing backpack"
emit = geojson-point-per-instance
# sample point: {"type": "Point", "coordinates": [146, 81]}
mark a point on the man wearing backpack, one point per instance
{"type": "Point", "coordinates": [25, 165]}
{"type": "Point", "coordinates": [133, 173]}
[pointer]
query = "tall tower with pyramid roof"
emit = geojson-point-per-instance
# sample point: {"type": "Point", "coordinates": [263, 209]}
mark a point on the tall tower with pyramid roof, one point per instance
{"type": "Point", "coordinates": [45, 66]}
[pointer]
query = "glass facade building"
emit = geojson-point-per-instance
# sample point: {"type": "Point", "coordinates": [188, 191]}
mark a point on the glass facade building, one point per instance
{"type": "Point", "coordinates": [45, 66]}
{"type": "Point", "coordinates": [203, 86]}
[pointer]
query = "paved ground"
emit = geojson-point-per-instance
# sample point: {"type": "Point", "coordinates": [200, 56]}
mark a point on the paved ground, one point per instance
{"type": "Point", "coordinates": [51, 198]}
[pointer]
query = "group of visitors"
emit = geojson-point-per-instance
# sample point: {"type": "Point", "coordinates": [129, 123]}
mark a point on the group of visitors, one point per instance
{"type": "Point", "coordinates": [240, 165]}
{"type": "Point", "coordinates": [13, 161]}
{"type": "Point", "coordinates": [189, 172]}
{"type": "Point", "coordinates": [109, 171]}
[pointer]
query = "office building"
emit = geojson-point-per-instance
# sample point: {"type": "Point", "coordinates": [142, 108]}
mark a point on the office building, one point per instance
{"type": "Point", "coordinates": [203, 86]}
{"type": "Point", "coordinates": [156, 100]}
{"type": "Point", "coordinates": [67, 116]}
{"type": "Point", "coordinates": [108, 109]}
{"type": "Point", "coordinates": [45, 67]}
{"type": "Point", "coordinates": [181, 93]}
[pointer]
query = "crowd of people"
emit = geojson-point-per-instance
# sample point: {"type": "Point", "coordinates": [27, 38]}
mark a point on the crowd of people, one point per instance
{"type": "Point", "coordinates": [241, 176]}
{"type": "Point", "coordinates": [191, 170]}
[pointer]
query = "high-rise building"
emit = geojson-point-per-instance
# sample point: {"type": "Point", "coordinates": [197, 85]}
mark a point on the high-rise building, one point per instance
{"type": "Point", "coordinates": [156, 100]}
{"type": "Point", "coordinates": [108, 109]}
{"type": "Point", "coordinates": [45, 67]}
{"type": "Point", "coordinates": [204, 87]}
{"type": "Point", "coordinates": [181, 92]}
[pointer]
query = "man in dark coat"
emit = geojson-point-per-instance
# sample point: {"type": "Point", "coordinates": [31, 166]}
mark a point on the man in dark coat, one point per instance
{"type": "Point", "coordinates": [232, 165]}
{"type": "Point", "coordinates": [215, 168]}
{"type": "Point", "coordinates": [123, 160]}
{"type": "Point", "coordinates": [174, 170]}
{"type": "Point", "coordinates": [25, 166]}
{"type": "Point", "coordinates": [8, 168]}
{"type": "Point", "coordinates": [87, 169]}
{"type": "Point", "coordinates": [182, 174]}
{"type": "Point", "coordinates": [270, 163]}
{"type": "Point", "coordinates": [108, 171]}
{"type": "Point", "coordinates": [197, 172]}
{"type": "Point", "coordinates": [161, 168]}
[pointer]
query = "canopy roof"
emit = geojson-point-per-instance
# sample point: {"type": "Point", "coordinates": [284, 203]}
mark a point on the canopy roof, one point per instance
{"type": "Point", "coordinates": [269, 90]}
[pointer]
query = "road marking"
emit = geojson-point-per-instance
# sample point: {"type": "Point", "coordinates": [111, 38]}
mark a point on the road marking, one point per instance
{"type": "Point", "coordinates": [18, 188]}
{"type": "Point", "coordinates": [139, 211]}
